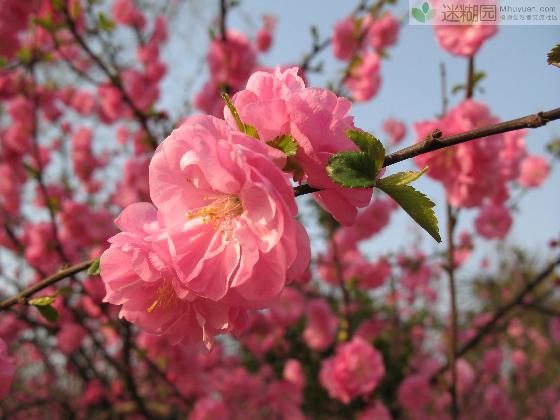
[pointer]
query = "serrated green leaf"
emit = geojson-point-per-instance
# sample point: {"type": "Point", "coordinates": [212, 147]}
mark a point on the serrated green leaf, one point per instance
{"type": "Point", "coordinates": [404, 178]}
{"type": "Point", "coordinates": [416, 204]}
{"type": "Point", "coordinates": [352, 170]}
{"type": "Point", "coordinates": [370, 145]}
{"type": "Point", "coordinates": [95, 268]}
{"type": "Point", "coordinates": [418, 15]}
{"type": "Point", "coordinates": [48, 312]}
{"type": "Point", "coordinates": [286, 144]}
{"type": "Point", "coordinates": [42, 300]}
{"type": "Point", "coordinates": [553, 57]}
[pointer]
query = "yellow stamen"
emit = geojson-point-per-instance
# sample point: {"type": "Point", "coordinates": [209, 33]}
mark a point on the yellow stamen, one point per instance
{"type": "Point", "coordinates": [220, 212]}
{"type": "Point", "coordinates": [166, 298]}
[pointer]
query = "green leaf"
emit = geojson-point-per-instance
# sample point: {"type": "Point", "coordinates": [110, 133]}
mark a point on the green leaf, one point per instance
{"type": "Point", "coordinates": [352, 170]}
{"type": "Point", "coordinates": [94, 269]}
{"type": "Point", "coordinates": [48, 312]}
{"type": "Point", "coordinates": [457, 88]}
{"type": "Point", "coordinates": [42, 301]}
{"type": "Point", "coordinates": [244, 128]}
{"type": "Point", "coordinates": [105, 23]}
{"type": "Point", "coordinates": [418, 15]}
{"type": "Point", "coordinates": [286, 144]}
{"type": "Point", "coordinates": [425, 7]}
{"type": "Point", "coordinates": [370, 145]}
{"type": "Point", "coordinates": [416, 204]}
{"type": "Point", "coordinates": [553, 57]}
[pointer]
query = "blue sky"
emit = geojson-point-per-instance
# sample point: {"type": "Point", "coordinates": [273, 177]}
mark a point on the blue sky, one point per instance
{"type": "Point", "coordinates": [518, 82]}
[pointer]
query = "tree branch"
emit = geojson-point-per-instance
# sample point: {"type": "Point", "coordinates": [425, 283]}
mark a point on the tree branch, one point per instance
{"type": "Point", "coordinates": [434, 142]}
{"type": "Point", "coordinates": [49, 281]}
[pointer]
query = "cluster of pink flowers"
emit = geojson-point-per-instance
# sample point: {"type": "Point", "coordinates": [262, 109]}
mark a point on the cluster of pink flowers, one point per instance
{"type": "Point", "coordinates": [361, 41]}
{"type": "Point", "coordinates": [501, 158]}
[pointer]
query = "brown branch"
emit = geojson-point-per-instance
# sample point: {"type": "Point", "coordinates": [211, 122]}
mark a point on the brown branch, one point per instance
{"type": "Point", "coordinates": [223, 18]}
{"type": "Point", "coordinates": [43, 284]}
{"type": "Point", "coordinates": [433, 143]}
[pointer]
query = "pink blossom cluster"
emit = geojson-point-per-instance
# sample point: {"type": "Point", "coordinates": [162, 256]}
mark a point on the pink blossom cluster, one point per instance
{"type": "Point", "coordinates": [361, 41]}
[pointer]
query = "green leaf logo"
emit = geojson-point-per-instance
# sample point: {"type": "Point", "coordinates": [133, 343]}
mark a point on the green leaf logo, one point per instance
{"type": "Point", "coordinates": [424, 14]}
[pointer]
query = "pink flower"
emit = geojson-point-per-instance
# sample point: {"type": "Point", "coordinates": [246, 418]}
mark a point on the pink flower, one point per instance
{"type": "Point", "coordinates": [364, 79]}
{"type": "Point", "coordinates": [209, 408]}
{"type": "Point", "coordinates": [396, 130]}
{"type": "Point", "coordinates": [278, 104]}
{"type": "Point", "coordinates": [460, 168]}
{"type": "Point", "coordinates": [7, 369]}
{"type": "Point", "coordinates": [534, 170]}
{"type": "Point", "coordinates": [293, 373]}
{"type": "Point", "coordinates": [321, 325]}
{"type": "Point", "coordinates": [463, 40]}
{"type": "Point", "coordinates": [289, 307]}
{"type": "Point", "coordinates": [554, 329]}
{"type": "Point", "coordinates": [230, 212]}
{"type": "Point", "coordinates": [126, 13]}
{"type": "Point", "coordinates": [82, 155]}
{"type": "Point", "coordinates": [345, 38]}
{"type": "Point", "coordinates": [497, 403]}
{"type": "Point", "coordinates": [138, 274]}
{"type": "Point", "coordinates": [383, 32]}
{"type": "Point", "coordinates": [414, 393]}
{"type": "Point", "coordinates": [264, 35]}
{"type": "Point", "coordinates": [356, 369]}
{"type": "Point", "coordinates": [493, 221]}
{"type": "Point", "coordinates": [70, 337]}
{"type": "Point", "coordinates": [231, 61]}
{"type": "Point", "coordinates": [377, 411]}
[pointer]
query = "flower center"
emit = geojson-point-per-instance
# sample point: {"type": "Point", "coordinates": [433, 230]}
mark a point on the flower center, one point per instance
{"type": "Point", "coordinates": [220, 212]}
{"type": "Point", "coordinates": [166, 298]}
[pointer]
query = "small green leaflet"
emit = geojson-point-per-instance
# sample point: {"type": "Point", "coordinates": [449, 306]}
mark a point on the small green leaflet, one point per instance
{"type": "Point", "coordinates": [94, 269]}
{"type": "Point", "coordinates": [48, 312]}
{"type": "Point", "coordinates": [244, 128]}
{"type": "Point", "coordinates": [42, 301]}
{"type": "Point", "coordinates": [416, 204]}
{"type": "Point", "coordinates": [286, 144]}
{"type": "Point", "coordinates": [553, 57]}
{"type": "Point", "coordinates": [358, 169]}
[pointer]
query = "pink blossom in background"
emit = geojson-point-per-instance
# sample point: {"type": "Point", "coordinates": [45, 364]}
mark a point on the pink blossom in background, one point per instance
{"type": "Point", "coordinates": [415, 393]}
{"type": "Point", "coordinates": [364, 79]}
{"type": "Point", "coordinates": [232, 60]}
{"type": "Point", "coordinates": [7, 369]}
{"type": "Point", "coordinates": [70, 337]}
{"type": "Point", "coordinates": [463, 248]}
{"type": "Point", "coordinates": [383, 32]}
{"type": "Point", "coordinates": [533, 171]}
{"type": "Point", "coordinates": [497, 403]}
{"type": "Point", "coordinates": [264, 35]}
{"type": "Point", "coordinates": [126, 13]}
{"type": "Point", "coordinates": [320, 331]}
{"type": "Point", "coordinates": [293, 373]}
{"type": "Point", "coordinates": [345, 38]}
{"type": "Point", "coordinates": [554, 329]}
{"type": "Point", "coordinates": [376, 411]}
{"type": "Point", "coordinates": [493, 221]}
{"type": "Point", "coordinates": [355, 370]}
{"type": "Point", "coordinates": [209, 408]}
{"type": "Point", "coordinates": [460, 168]}
{"type": "Point", "coordinates": [396, 130]}
{"type": "Point", "coordinates": [278, 104]}
{"type": "Point", "coordinates": [289, 307]}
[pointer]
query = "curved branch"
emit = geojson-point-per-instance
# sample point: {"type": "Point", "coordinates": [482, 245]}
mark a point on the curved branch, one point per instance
{"type": "Point", "coordinates": [43, 284]}
{"type": "Point", "coordinates": [436, 142]}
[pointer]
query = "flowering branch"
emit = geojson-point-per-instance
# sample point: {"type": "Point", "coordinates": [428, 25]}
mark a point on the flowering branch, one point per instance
{"type": "Point", "coordinates": [436, 142]}
{"type": "Point", "coordinates": [503, 311]}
